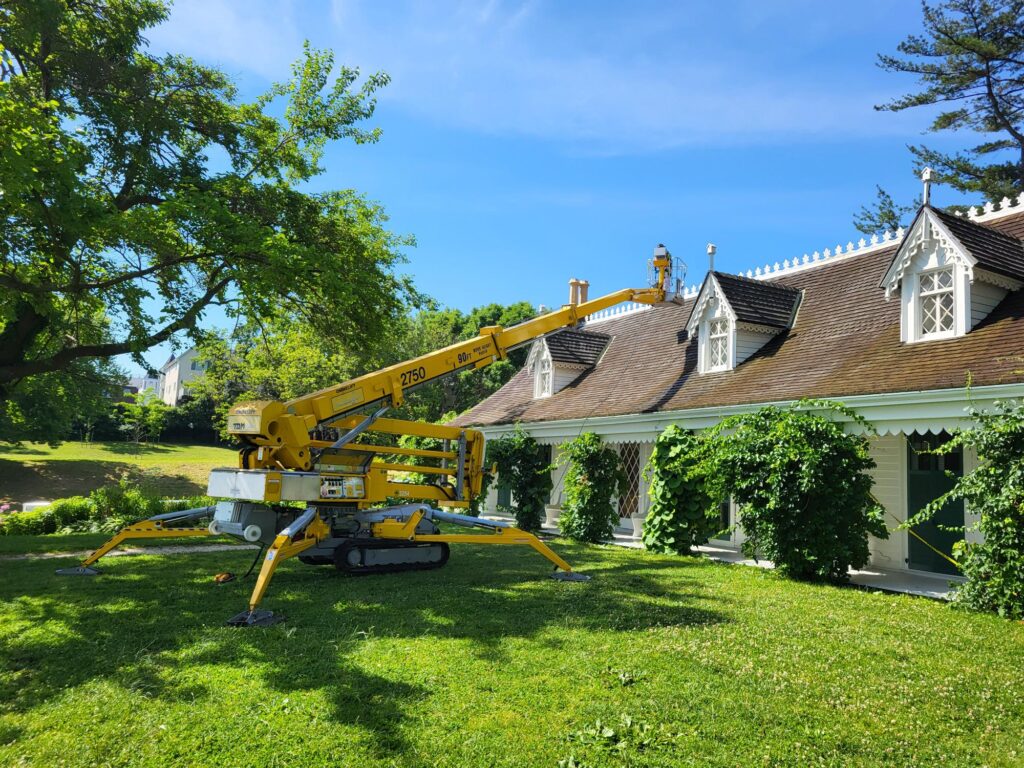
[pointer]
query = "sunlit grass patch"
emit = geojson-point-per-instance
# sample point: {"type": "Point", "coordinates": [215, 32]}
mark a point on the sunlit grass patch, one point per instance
{"type": "Point", "coordinates": [657, 661]}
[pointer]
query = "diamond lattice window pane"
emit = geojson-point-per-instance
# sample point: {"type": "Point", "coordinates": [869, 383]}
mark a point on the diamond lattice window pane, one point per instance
{"type": "Point", "coordinates": [718, 351]}
{"type": "Point", "coordinates": [545, 383]}
{"type": "Point", "coordinates": [629, 500]}
{"type": "Point", "coordinates": [945, 312]}
{"type": "Point", "coordinates": [944, 279]}
{"type": "Point", "coordinates": [928, 305]}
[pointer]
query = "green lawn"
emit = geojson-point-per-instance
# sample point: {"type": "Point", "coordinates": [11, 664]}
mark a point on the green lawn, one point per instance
{"type": "Point", "coordinates": [80, 542]}
{"type": "Point", "coordinates": [36, 470]}
{"type": "Point", "coordinates": [487, 662]}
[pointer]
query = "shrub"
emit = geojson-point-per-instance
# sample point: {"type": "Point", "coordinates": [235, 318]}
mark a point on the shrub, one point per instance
{"type": "Point", "coordinates": [995, 492]}
{"type": "Point", "coordinates": [683, 513]}
{"type": "Point", "coordinates": [67, 512]}
{"type": "Point", "coordinates": [117, 505]}
{"type": "Point", "coordinates": [593, 477]}
{"type": "Point", "coordinates": [527, 469]}
{"type": "Point", "coordinates": [38, 521]}
{"type": "Point", "coordinates": [799, 478]}
{"type": "Point", "coordinates": [189, 502]}
{"type": "Point", "coordinates": [105, 510]}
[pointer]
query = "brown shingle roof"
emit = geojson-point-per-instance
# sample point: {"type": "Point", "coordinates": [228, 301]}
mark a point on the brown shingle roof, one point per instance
{"type": "Point", "coordinates": [993, 249]}
{"type": "Point", "coordinates": [576, 347]}
{"type": "Point", "coordinates": [846, 341]}
{"type": "Point", "coordinates": [759, 302]}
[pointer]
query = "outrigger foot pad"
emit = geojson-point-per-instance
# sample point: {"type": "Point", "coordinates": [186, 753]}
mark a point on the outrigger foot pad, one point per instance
{"type": "Point", "coordinates": [254, 619]}
{"type": "Point", "coordinates": [569, 576]}
{"type": "Point", "coordinates": [79, 570]}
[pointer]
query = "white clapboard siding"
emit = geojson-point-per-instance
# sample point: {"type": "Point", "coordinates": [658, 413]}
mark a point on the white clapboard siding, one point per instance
{"type": "Point", "coordinates": [890, 476]}
{"type": "Point", "coordinates": [984, 298]}
{"type": "Point", "coordinates": [563, 377]}
{"type": "Point", "coordinates": [748, 342]}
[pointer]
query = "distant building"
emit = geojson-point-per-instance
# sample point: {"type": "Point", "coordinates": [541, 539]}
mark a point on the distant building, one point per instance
{"type": "Point", "coordinates": [140, 384]}
{"type": "Point", "coordinates": [175, 375]}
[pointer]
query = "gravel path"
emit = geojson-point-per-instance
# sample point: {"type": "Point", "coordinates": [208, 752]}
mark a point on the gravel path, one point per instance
{"type": "Point", "coordinates": [168, 550]}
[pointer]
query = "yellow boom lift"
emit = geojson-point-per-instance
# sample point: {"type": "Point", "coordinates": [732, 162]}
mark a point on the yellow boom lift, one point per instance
{"type": "Point", "coordinates": [349, 484]}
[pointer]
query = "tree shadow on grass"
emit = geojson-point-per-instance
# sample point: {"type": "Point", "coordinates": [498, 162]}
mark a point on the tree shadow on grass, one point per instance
{"type": "Point", "coordinates": [22, 449]}
{"type": "Point", "coordinates": [149, 620]}
{"type": "Point", "coordinates": [58, 479]}
{"type": "Point", "coordinates": [136, 449]}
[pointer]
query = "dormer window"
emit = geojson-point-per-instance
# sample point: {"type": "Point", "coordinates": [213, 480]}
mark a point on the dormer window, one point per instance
{"type": "Point", "coordinates": [557, 360]}
{"type": "Point", "coordinates": [718, 344]}
{"type": "Point", "coordinates": [542, 377]}
{"type": "Point", "coordinates": [938, 306]}
{"type": "Point", "coordinates": [733, 317]}
{"type": "Point", "coordinates": [950, 273]}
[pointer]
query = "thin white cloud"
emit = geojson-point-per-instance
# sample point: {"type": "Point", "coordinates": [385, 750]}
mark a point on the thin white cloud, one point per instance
{"type": "Point", "coordinates": [617, 80]}
{"type": "Point", "coordinates": [598, 79]}
{"type": "Point", "coordinates": [255, 36]}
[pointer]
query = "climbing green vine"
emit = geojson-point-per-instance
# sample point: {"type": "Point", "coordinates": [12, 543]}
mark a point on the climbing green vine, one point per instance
{"type": "Point", "coordinates": [525, 467]}
{"type": "Point", "coordinates": [800, 482]}
{"type": "Point", "coordinates": [994, 491]}
{"type": "Point", "coordinates": [592, 478]}
{"type": "Point", "coordinates": [683, 512]}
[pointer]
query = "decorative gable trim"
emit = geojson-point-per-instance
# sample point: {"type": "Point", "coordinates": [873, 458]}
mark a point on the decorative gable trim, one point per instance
{"type": "Point", "coordinates": [768, 330]}
{"type": "Point", "coordinates": [1000, 281]}
{"type": "Point", "coordinates": [710, 291]}
{"type": "Point", "coordinates": [541, 369]}
{"type": "Point", "coordinates": [550, 374]}
{"type": "Point", "coordinates": [926, 229]}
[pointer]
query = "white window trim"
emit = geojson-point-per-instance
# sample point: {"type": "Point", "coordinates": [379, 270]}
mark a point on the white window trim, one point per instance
{"type": "Point", "coordinates": [704, 345]}
{"type": "Point", "coordinates": [543, 365]}
{"type": "Point", "coordinates": [920, 296]}
{"type": "Point", "coordinates": [912, 311]}
{"type": "Point", "coordinates": [727, 336]}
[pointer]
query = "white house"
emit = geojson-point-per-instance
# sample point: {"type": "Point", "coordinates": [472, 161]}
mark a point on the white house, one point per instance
{"type": "Point", "coordinates": [175, 375]}
{"type": "Point", "coordinates": [894, 328]}
{"type": "Point", "coordinates": [140, 384]}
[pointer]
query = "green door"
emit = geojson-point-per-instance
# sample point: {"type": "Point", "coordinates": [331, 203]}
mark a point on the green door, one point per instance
{"type": "Point", "coordinates": [926, 481]}
{"type": "Point", "coordinates": [724, 521]}
{"type": "Point", "coordinates": [504, 496]}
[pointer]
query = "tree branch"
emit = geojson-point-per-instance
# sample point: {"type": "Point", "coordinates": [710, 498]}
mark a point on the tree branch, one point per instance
{"type": "Point", "coordinates": [14, 371]}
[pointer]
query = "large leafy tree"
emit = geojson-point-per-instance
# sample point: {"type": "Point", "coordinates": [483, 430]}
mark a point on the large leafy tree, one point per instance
{"type": "Point", "coordinates": [139, 191]}
{"type": "Point", "coordinates": [969, 62]}
{"type": "Point", "coordinates": [51, 407]}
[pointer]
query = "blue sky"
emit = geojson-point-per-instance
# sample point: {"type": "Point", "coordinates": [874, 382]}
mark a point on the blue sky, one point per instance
{"type": "Point", "coordinates": [529, 142]}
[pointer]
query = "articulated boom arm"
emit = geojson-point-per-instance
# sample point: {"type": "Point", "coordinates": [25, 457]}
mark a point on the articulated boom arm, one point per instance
{"type": "Point", "coordinates": [343, 523]}
{"type": "Point", "coordinates": [282, 430]}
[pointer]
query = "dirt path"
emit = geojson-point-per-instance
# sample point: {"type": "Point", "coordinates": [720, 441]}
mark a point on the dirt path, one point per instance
{"type": "Point", "coordinates": [169, 550]}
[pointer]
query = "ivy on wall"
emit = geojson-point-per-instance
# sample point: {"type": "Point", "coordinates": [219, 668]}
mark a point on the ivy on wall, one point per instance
{"type": "Point", "coordinates": [593, 478]}
{"type": "Point", "coordinates": [684, 511]}
{"type": "Point", "coordinates": [799, 480]}
{"type": "Point", "coordinates": [525, 467]}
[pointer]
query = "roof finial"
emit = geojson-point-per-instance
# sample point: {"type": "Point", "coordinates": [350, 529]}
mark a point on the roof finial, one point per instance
{"type": "Point", "coordinates": [926, 177]}
{"type": "Point", "coordinates": [712, 250]}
